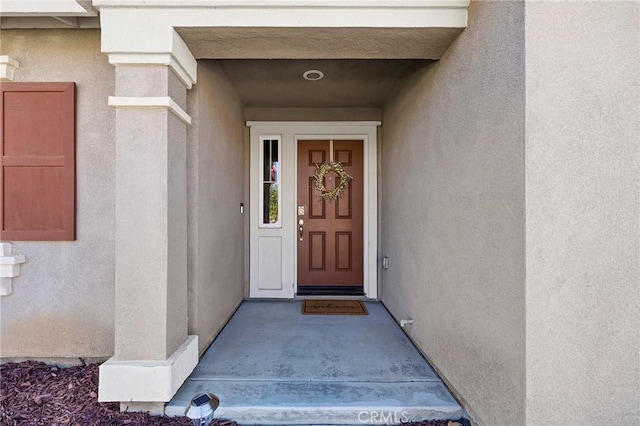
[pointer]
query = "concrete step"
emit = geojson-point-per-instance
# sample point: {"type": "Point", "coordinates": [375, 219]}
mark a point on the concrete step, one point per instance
{"type": "Point", "coordinates": [322, 402]}
{"type": "Point", "coordinates": [271, 365]}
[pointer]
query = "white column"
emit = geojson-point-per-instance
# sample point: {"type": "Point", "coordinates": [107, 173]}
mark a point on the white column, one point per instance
{"type": "Point", "coordinates": [153, 352]}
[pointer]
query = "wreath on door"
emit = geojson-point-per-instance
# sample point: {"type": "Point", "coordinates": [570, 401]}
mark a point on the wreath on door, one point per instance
{"type": "Point", "coordinates": [341, 186]}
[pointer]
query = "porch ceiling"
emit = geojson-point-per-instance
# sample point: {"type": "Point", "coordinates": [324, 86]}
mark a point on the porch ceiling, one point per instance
{"type": "Point", "coordinates": [318, 43]}
{"type": "Point", "coordinates": [346, 83]}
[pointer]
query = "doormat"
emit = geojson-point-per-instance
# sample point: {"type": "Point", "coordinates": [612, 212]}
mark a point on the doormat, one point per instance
{"type": "Point", "coordinates": [333, 307]}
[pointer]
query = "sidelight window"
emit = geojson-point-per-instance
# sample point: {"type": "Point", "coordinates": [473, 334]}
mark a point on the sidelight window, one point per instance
{"type": "Point", "coordinates": [271, 182]}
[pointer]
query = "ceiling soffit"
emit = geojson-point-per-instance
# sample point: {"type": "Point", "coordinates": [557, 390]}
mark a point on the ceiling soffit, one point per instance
{"type": "Point", "coordinates": [317, 43]}
{"type": "Point", "coordinates": [346, 83]}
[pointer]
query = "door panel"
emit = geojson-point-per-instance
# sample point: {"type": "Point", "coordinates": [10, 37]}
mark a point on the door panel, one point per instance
{"type": "Point", "coordinates": [317, 251]}
{"type": "Point", "coordinates": [270, 263]}
{"type": "Point", "coordinates": [330, 251]}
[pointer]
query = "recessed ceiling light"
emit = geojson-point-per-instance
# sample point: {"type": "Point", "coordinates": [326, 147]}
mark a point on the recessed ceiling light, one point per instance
{"type": "Point", "coordinates": [313, 75]}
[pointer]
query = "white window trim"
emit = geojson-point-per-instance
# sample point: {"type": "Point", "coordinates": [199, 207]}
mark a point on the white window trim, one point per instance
{"type": "Point", "coordinates": [278, 138]}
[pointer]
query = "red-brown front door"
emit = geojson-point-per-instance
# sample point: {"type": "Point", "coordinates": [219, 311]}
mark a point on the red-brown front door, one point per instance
{"type": "Point", "coordinates": [330, 237]}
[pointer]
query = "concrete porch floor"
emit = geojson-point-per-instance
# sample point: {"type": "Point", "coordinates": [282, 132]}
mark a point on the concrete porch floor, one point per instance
{"type": "Point", "coordinates": [273, 365]}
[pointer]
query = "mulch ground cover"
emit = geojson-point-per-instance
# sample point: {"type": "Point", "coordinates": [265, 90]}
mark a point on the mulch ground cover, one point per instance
{"type": "Point", "coordinates": [37, 394]}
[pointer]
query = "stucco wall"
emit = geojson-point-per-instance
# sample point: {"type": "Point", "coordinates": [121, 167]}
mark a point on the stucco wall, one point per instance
{"type": "Point", "coordinates": [313, 114]}
{"type": "Point", "coordinates": [583, 218]}
{"type": "Point", "coordinates": [453, 212]}
{"type": "Point", "coordinates": [216, 168]}
{"type": "Point", "coordinates": [63, 301]}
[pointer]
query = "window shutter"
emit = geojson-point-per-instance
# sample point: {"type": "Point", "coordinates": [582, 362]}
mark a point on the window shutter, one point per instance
{"type": "Point", "coordinates": [37, 128]}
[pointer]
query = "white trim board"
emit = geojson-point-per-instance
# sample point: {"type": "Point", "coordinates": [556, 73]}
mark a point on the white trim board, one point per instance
{"type": "Point", "coordinates": [318, 124]}
{"type": "Point", "coordinates": [150, 102]}
{"type": "Point", "coordinates": [287, 3]}
{"type": "Point", "coordinates": [46, 8]}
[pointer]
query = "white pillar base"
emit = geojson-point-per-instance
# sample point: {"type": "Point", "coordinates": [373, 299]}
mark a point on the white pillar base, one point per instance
{"type": "Point", "coordinates": [147, 381]}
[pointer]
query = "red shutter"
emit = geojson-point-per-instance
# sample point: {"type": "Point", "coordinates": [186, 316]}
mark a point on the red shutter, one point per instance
{"type": "Point", "coordinates": [37, 132]}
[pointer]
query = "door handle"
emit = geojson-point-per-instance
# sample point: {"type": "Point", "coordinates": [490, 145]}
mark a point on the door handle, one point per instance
{"type": "Point", "coordinates": [301, 229]}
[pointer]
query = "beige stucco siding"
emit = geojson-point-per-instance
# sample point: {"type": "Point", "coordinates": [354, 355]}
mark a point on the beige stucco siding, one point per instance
{"type": "Point", "coordinates": [62, 303]}
{"type": "Point", "coordinates": [313, 114]}
{"type": "Point", "coordinates": [453, 212]}
{"type": "Point", "coordinates": [583, 218]}
{"type": "Point", "coordinates": [216, 170]}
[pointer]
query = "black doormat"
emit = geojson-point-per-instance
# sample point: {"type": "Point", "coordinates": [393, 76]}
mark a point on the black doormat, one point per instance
{"type": "Point", "coordinates": [336, 290]}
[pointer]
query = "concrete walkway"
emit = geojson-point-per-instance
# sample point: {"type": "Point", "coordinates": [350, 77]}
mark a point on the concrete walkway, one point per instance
{"type": "Point", "coordinates": [273, 365]}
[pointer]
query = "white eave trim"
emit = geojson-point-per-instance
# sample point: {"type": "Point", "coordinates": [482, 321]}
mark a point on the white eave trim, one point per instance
{"type": "Point", "coordinates": [10, 8]}
{"type": "Point", "coordinates": [150, 102]}
{"type": "Point", "coordinates": [447, 4]}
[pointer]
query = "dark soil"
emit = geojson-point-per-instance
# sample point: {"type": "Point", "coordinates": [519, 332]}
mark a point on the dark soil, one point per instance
{"type": "Point", "coordinates": [33, 393]}
{"type": "Point", "coordinates": [37, 394]}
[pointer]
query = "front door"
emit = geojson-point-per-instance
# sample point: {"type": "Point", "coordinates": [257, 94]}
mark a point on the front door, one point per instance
{"type": "Point", "coordinates": [330, 232]}
{"type": "Point", "coordinates": [338, 251]}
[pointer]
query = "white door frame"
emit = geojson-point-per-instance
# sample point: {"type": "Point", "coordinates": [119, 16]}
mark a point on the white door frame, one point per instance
{"type": "Point", "coordinates": [278, 255]}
